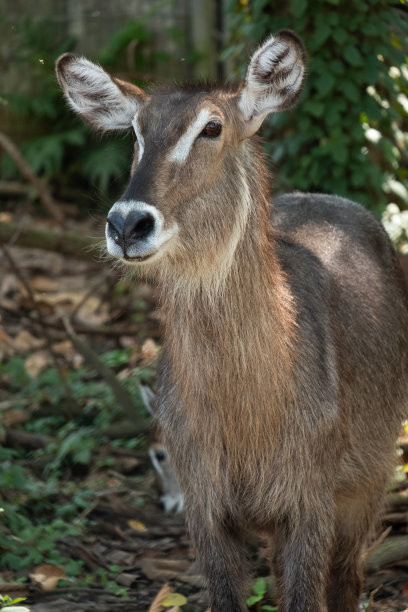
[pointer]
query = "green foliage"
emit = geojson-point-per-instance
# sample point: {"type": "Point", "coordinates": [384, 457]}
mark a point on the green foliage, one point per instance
{"type": "Point", "coordinates": [346, 135]}
{"type": "Point", "coordinates": [6, 601]}
{"type": "Point", "coordinates": [26, 540]}
{"type": "Point", "coordinates": [32, 523]}
{"type": "Point", "coordinates": [132, 32]}
{"type": "Point", "coordinates": [99, 407]}
{"type": "Point", "coordinates": [174, 600]}
{"type": "Point", "coordinates": [259, 590]}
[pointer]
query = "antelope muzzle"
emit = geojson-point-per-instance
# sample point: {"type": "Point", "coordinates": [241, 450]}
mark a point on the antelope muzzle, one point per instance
{"type": "Point", "coordinates": [135, 231]}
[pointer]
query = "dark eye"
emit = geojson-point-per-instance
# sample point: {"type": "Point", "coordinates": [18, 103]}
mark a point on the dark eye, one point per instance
{"type": "Point", "coordinates": [160, 455]}
{"type": "Point", "coordinates": [212, 129]}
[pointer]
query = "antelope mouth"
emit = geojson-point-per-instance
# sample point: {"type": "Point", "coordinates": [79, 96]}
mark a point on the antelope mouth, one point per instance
{"type": "Point", "coordinates": [138, 258]}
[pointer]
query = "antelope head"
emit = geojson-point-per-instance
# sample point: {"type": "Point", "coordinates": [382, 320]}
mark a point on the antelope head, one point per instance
{"type": "Point", "coordinates": [189, 193]}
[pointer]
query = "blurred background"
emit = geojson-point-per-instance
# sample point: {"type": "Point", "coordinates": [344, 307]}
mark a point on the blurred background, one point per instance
{"type": "Point", "coordinates": [81, 469]}
{"type": "Point", "coordinates": [348, 136]}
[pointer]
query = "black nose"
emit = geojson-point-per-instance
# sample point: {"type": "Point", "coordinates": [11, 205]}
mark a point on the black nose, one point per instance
{"type": "Point", "coordinates": [136, 225]}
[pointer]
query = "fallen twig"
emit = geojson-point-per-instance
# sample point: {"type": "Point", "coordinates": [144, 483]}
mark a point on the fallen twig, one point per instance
{"type": "Point", "coordinates": [122, 396]}
{"type": "Point", "coordinates": [377, 543]}
{"type": "Point", "coordinates": [24, 439]}
{"type": "Point", "coordinates": [13, 403]}
{"type": "Point", "coordinates": [97, 330]}
{"type": "Point", "coordinates": [66, 242]}
{"type": "Point", "coordinates": [370, 603]}
{"type": "Point", "coordinates": [15, 188]}
{"type": "Point", "coordinates": [160, 597]}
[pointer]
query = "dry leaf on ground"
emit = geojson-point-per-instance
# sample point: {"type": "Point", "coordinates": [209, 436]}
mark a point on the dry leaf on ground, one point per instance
{"type": "Point", "coordinates": [14, 417]}
{"type": "Point", "coordinates": [137, 525]}
{"type": "Point", "coordinates": [36, 363]}
{"type": "Point", "coordinates": [24, 342]}
{"type": "Point", "coordinates": [149, 352]}
{"type": "Point", "coordinates": [161, 595]}
{"type": "Point", "coordinates": [164, 569]}
{"type": "Point", "coordinates": [47, 576]}
{"type": "Point", "coordinates": [43, 283]}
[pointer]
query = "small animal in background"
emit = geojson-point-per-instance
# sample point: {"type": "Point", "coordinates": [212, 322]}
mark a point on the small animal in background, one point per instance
{"type": "Point", "coordinates": [284, 376]}
{"type": "Point", "coordinates": [171, 496]}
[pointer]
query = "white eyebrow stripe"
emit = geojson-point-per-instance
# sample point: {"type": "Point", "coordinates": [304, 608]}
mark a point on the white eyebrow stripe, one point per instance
{"type": "Point", "coordinates": [183, 147]}
{"type": "Point", "coordinates": [139, 136]}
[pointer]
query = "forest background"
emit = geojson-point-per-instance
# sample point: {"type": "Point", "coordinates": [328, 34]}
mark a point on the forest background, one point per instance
{"type": "Point", "coordinates": [76, 339]}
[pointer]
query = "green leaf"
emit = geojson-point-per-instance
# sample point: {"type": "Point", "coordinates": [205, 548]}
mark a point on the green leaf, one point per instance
{"type": "Point", "coordinates": [353, 56]}
{"type": "Point", "coordinates": [322, 33]}
{"type": "Point", "coordinates": [259, 587]}
{"type": "Point", "coordinates": [174, 599]}
{"type": "Point", "coordinates": [10, 601]}
{"type": "Point", "coordinates": [340, 35]}
{"type": "Point", "coordinates": [333, 18]}
{"type": "Point", "coordinates": [314, 108]}
{"type": "Point", "coordinates": [373, 28]}
{"type": "Point", "coordinates": [108, 161]}
{"type": "Point", "coordinates": [350, 90]}
{"type": "Point", "coordinates": [298, 7]}
{"type": "Point", "coordinates": [325, 84]}
{"type": "Point", "coordinates": [369, 73]}
{"type": "Point", "coordinates": [254, 599]}
{"type": "Point", "coordinates": [338, 149]}
{"type": "Point", "coordinates": [336, 67]}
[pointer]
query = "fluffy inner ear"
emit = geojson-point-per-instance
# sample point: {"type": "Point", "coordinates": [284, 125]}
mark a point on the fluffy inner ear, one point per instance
{"type": "Point", "coordinates": [274, 78]}
{"type": "Point", "coordinates": [103, 101]}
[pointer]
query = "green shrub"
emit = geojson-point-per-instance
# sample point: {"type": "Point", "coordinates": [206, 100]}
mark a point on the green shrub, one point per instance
{"type": "Point", "coordinates": [346, 135]}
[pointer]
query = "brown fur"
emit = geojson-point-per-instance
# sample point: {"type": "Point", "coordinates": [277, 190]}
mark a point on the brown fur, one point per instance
{"type": "Point", "coordinates": [284, 378]}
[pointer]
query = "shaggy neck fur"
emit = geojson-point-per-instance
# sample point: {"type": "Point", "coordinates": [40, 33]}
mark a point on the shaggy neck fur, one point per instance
{"type": "Point", "coordinates": [229, 344]}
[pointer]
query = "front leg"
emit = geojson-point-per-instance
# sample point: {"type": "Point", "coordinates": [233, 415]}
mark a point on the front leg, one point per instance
{"type": "Point", "coordinates": [302, 560]}
{"type": "Point", "coordinates": [220, 551]}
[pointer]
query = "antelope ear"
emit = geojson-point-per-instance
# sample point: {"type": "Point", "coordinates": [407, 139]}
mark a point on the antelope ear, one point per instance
{"type": "Point", "coordinates": [103, 101]}
{"type": "Point", "coordinates": [274, 79]}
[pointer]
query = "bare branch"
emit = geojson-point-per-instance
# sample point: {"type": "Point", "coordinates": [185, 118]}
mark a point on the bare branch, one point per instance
{"type": "Point", "coordinates": [71, 243]}
{"type": "Point", "coordinates": [122, 396]}
{"type": "Point", "coordinates": [30, 175]}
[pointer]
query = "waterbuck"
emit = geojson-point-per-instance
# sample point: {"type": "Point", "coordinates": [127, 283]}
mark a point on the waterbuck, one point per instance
{"type": "Point", "coordinates": [284, 376]}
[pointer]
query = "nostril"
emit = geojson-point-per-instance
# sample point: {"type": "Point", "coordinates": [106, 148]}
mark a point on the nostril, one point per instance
{"type": "Point", "coordinates": [116, 224]}
{"type": "Point", "coordinates": [138, 224]}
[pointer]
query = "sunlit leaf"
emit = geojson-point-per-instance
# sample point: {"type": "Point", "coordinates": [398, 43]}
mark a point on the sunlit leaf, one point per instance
{"type": "Point", "coordinates": [174, 599]}
{"type": "Point", "coordinates": [137, 525]}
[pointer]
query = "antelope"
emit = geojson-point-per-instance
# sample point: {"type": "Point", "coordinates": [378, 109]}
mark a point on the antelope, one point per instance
{"type": "Point", "coordinates": [285, 329]}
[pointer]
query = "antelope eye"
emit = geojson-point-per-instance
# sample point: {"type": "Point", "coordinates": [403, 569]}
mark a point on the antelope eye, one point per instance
{"type": "Point", "coordinates": [160, 455]}
{"type": "Point", "coordinates": [212, 129]}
